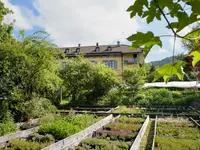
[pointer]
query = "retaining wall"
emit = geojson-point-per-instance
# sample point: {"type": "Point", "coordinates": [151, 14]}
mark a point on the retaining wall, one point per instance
{"type": "Point", "coordinates": [19, 134]}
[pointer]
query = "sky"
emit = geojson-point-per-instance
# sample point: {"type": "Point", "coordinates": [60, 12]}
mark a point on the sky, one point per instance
{"type": "Point", "coordinates": [86, 22]}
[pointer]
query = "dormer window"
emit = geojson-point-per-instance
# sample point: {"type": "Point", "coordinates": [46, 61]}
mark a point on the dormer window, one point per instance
{"type": "Point", "coordinates": [78, 50]}
{"type": "Point", "coordinates": [66, 51]}
{"type": "Point", "coordinates": [97, 49]}
{"type": "Point", "coordinates": [109, 48]}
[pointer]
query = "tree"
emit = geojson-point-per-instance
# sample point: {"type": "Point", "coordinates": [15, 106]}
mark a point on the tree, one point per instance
{"type": "Point", "coordinates": [134, 80]}
{"type": "Point", "coordinates": [184, 12]}
{"type": "Point", "coordinates": [77, 77]}
{"type": "Point", "coordinates": [86, 82]}
{"type": "Point", "coordinates": [27, 70]}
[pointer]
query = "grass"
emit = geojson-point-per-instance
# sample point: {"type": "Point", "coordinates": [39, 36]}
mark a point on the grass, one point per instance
{"type": "Point", "coordinates": [165, 143]}
{"type": "Point", "coordinates": [21, 144]}
{"type": "Point", "coordinates": [177, 134]}
{"type": "Point", "coordinates": [131, 110]}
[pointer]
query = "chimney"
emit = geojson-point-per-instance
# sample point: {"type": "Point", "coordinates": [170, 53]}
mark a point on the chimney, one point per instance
{"type": "Point", "coordinates": [118, 43]}
{"type": "Point", "coordinates": [97, 44]}
{"type": "Point", "coordinates": [79, 45]}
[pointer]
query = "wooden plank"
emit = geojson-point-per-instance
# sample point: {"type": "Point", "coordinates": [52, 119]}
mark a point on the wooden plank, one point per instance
{"type": "Point", "coordinates": [137, 141]}
{"type": "Point", "coordinates": [154, 136]}
{"type": "Point", "coordinates": [74, 140]}
{"type": "Point", "coordinates": [19, 134]}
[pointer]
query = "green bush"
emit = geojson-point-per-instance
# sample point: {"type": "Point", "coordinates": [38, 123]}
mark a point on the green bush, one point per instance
{"type": "Point", "coordinates": [21, 144]}
{"type": "Point", "coordinates": [63, 127]}
{"type": "Point", "coordinates": [176, 94]}
{"type": "Point", "coordinates": [7, 127]}
{"type": "Point", "coordinates": [39, 107]}
{"type": "Point", "coordinates": [156, 97]}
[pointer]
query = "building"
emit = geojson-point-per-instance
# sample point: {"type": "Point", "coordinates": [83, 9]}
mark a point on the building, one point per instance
{"type": "Point", "coordinates": [116, 57]}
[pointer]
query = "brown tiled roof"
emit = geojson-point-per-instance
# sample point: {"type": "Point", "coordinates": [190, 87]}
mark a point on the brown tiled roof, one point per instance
{"type": "Point", "coordinates": [103, 49]}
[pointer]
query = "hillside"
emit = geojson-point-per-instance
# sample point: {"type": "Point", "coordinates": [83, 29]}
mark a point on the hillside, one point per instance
{"type": "Point", "coordinates": [162, 62]}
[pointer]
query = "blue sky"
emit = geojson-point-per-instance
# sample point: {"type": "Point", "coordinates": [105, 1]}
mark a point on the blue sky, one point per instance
{"type": "Point", "coordinates": [70, 22]}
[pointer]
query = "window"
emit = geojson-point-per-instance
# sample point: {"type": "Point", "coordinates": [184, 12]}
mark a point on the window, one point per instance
{"type": "Point", "coordinates": [97, 49]}
{"type": "Point", "coordinates": [109, 48]}
{"type": "Point", "coordinates": [66, 51]}
{"type": "Point", "coordinates": [78, 50]}
{"type": "Point", "coordinates": [135, 59]}
{"type": "Point", "coordinates": [111, 63]}
{"type": "Point", "coordinates": [125, 61]}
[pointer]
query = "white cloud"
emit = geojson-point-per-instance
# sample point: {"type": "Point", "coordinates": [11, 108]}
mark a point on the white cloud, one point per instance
{"type": "Point", "coordinates": [73, 21]}
{"type": "Point", "coordinates": [21, 16]}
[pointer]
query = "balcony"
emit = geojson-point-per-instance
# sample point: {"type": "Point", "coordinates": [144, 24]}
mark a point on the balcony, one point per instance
{"type": "Point", "coordinates": [131, 61]}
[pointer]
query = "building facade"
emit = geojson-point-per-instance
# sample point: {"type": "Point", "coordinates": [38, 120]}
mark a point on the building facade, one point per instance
{"type": "Point", "coordinates": [116, 57]}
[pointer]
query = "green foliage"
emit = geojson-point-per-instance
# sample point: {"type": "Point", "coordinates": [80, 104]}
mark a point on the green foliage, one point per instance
{"type": "Point", "coordinates": [148, 40]}
{"type": "Point", "coordinates": [38, 107]}
{"type": "Point", "coordinates": [196, 56]}
{"type": "Point", "coordinates": [25, 145]}
{"type": "Point", "coordinates": [184, 12]}
{"type": "Point", "coordinates": [7, 127]}
{"type": "Point", "coordinates": [177, 134]}
{"type": "Point", "coordinates": [134, 81]}
{"type": "Point", "coordinates": [174, 144]}
{"type": "Point", "coordinates": [105, 144]}
{"type": "Point", "coordinates": [27, 69]}
{"type": "Point", "coordinates": [63, 127]}
{"type": "Point", "coordinates": [131, 110]}
{"type": "Point", "coordinates": [87, 83]}
{"type": "Point", "coordinates": [123, 126]}
{"type": "Point", "coordinates": [41, 138]}
{"type": "Point", "coordinates": [156, 97]}
{"type": "Point", "coordinates": [168, 70]}
{"type": "Point", "coordinates": [125, 119]}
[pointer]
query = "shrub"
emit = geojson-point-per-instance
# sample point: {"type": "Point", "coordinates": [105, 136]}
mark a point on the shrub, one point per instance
{"type": "Point", "coordinates": [7, 127]}
{"type": "Point", "coordinates": [176, 94]}
{"type": "Point", "coordinates": [21, 144]}
{"type": "Point", "coordinates": [39, 107]}
{"type": "Point", "coordinates": [63, 127]}
{"type": "Point", "coordinates": [113, 98]}
{"type": "Point", "coordinates": [156, 97]}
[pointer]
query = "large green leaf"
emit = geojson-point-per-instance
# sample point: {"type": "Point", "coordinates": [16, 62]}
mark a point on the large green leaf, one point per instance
{"type": "Point", "coordinates": [194, 4]}
{"type": "Point", "coordinates": [148, 40]}
{"type": "Point", "coordinates": [196, 57]}
{"type": "Point", "coordinates": [137, 8]}
{"type": "Point", "coordinates": [168, 70]}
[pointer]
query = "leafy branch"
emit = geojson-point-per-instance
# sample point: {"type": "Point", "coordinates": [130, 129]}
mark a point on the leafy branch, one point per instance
{"type": "Point", "coordinates": [154, 9]}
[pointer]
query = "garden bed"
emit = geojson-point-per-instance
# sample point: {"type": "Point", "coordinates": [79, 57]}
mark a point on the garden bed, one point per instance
{"type": "Point", "coordinates": [53, 129]}
{"type": "Point", "coordinates": [119, 134]}
{"type": "Point", "coordinates": [173, 134]}
{"type": "Point", "coordinates": [180, 111]}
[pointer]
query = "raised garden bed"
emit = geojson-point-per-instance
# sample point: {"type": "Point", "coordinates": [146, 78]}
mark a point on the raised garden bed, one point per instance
{"type": "Point", "coordinates": [119, 134]}
{"type": "Point", "coordinates": [173, 134]}
{"type": "Point", "coordinates": [53, 130]}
